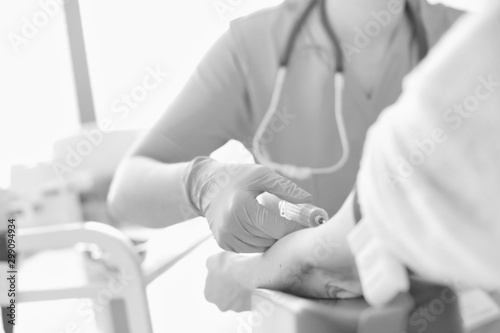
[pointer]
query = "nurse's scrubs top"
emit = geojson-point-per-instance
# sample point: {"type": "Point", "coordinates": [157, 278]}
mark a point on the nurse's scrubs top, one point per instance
{"type": "Point", "coordinates": [230, 91]}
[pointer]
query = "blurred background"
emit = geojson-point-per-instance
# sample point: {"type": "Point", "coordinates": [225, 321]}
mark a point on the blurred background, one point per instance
{"type": "Point", "coordinates": [123, 40]}
{"type": "Point", "coordinates": [73, 101]}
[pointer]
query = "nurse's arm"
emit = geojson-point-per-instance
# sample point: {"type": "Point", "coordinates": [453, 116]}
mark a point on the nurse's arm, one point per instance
{"type": "Point", "coordinates": [148, 192]}
{"type": "Point", "coordinates": [148, 188]}
{"type": "Point", "coordinates": [313, 262]}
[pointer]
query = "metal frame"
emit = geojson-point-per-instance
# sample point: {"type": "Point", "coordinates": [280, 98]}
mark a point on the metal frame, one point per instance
{"type": "Point", "coordinates": [129, 308]}
{"type": "Point", "coordinates": [83, 87]}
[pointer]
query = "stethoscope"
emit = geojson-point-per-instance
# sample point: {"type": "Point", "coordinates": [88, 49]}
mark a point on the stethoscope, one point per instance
{"type": "Point", "coordinates": [297, 172]}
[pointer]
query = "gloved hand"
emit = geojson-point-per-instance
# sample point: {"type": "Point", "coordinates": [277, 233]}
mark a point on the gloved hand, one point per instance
{"type": "Point", "coordinates": [225, 194]}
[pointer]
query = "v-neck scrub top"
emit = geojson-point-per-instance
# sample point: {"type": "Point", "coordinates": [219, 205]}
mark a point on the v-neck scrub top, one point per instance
{"type": "Point", "coordinates": [230, 91]}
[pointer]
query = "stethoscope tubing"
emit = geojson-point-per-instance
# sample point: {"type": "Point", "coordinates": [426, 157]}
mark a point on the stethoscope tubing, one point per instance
{"type": "Point", "coordinates": [297, 172]}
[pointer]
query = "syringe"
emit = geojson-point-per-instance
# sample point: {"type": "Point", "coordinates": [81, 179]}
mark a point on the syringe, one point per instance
{"type": "Point", "coordinates": [305, 214]}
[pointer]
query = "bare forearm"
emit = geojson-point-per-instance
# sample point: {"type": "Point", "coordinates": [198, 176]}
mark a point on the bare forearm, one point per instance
{"type": "Point", "coordinates": [283, 266]}
{"type": "Point", "coordinates": [311, 262]}
{"type": "Point", "coordinates": [149, 193]}
{"type": "Point", "coordinates": [322, 274]}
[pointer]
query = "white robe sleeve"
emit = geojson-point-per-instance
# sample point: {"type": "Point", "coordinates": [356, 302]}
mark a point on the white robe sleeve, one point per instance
{"type": "Point", "coordinates": [429, 181]}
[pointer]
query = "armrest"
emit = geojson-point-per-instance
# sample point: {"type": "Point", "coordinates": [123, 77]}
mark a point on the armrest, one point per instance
{"type": "Point", "coordinates": [118, 247]}
{"type": "Point", "coordinates": [277, 311]}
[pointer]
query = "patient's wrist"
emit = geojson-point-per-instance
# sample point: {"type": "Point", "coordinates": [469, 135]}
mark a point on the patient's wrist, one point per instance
{"type": "Point", "coordinates": [245, 269]}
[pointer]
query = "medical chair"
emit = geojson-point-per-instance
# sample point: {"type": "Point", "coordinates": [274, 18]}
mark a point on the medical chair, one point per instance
{"type": "Point", "coordinates": [119, 257]}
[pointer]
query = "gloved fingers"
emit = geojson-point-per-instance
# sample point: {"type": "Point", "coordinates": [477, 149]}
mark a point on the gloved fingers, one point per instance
{"type": "Point", "coordinates": [244, 243]}
{"type": "Point", "coordinates": [250, 228]}
{"type": "Point", "coordinates": [254, 244]}
{"type": "Point", "coordinates": [282, 187]}
{"type": "Point", "coordinates": [270, 223]}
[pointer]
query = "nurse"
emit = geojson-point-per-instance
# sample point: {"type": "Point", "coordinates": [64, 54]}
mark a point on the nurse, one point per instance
{"type": "Point", "coordinates": [345, 62]}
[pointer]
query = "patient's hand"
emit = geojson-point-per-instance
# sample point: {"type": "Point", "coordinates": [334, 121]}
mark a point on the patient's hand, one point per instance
{"type": "Point", "coordinates": [232, 277]}
{"type": "Point", "coordinates": [312, 262]}
{"type": "Point", "coordinates": [226, 285]}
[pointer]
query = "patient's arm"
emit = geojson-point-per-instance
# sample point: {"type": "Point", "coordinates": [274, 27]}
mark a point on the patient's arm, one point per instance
{"type": "Point", "coordinates": [314, 262]}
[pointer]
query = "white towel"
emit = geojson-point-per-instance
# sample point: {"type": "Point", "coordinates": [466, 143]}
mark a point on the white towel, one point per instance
{"type": "Point", "coordinates": [430, 173]}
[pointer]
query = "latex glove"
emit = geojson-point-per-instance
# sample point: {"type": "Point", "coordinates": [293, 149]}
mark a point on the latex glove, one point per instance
{"type": "Point", "coordinates": [223, 287]}
{"type": "Point", "coordinates": [226, 195]}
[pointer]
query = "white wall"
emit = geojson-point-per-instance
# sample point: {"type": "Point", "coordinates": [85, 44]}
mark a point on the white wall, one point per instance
{"type": "Point", "coordinates": [124, 38]}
